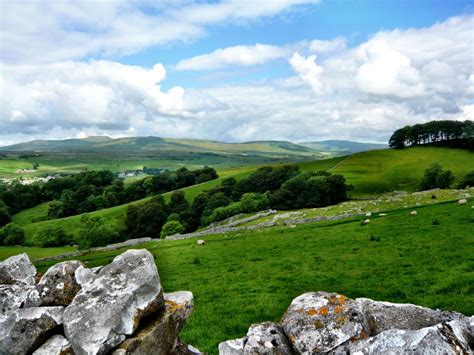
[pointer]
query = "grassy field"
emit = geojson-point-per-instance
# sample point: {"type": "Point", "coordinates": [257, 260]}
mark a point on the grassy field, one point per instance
{"type": "Point", "coordinates": [240, 279]}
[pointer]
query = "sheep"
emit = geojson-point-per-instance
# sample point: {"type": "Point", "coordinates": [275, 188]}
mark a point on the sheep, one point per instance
{"type": "Point", "coordinates": [368, 214]}
{"type": "Point", "coordinates": [382, 214]}
{"type": "Point", "coordinates": [413, 213]}
{"type": "Point", "coordinates": [462, 202]}
{"type": "Point", "coordinates": [200, 242]}
{"type": "Point", "coordinates": [365, 222]}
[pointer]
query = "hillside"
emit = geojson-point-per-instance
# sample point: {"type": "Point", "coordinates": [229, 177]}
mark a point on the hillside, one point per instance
{"type": "Point", "coordinates": [345, 147]}
{"type": "Point", "coordinates": [250, 277]}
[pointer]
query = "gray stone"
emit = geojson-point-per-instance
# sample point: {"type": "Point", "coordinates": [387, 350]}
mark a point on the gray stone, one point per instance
{"type": "Point", "coordinates": [109, 307]}
{"type": "Point", "coordinates": [232, 347]}
{"type": "Point", "coordinates": [26, 329]}
{"type": "Point", "coordinates": [58, 286]}
{"type": "Point", "coordinates": [181, 348]}
{"type": "Point", "coordinates": [84, 275]}
{"type": "Point", "coordinates": [13, 297]}
{"type": "Point", "coordinates": [381, 316]}
{"type": "Point", "coordinates": [56, 345]}
{"type": "Point", "coordinates": [159, 335]}
{"type": "Point", "coordinates": [437, 339]}
{"type": "Point", "coordinates": [17, 269]}
{"type": "Point", "coordinates": [318, 322]}
{"type": "Point", "coordinates": [266, 338]}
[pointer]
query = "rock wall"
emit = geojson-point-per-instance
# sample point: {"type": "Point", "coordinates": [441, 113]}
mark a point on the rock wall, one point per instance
{"type": "Point", "coordinates": [116, 309]}
{"type": "Point", "coordinates": [321, 323]}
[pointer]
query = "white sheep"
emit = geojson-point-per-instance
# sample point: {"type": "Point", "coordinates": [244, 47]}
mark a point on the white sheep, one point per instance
{"type": "Point", "coordinates": [462, 202]}
{"type": "Point", "coordinates": [368, 214]}
{"type": "Point", "coordinates": [365, 222]}
{"type": "Point", "coordinates": [200, 242]}
{"type": "Point", "coordinates": [413, 213]}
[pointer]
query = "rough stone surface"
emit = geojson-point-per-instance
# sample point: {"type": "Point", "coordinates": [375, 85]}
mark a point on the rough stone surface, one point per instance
{"type": "Point", "coordinates": [17, 269]}
{"type": "Point", "coordinates": [58, 286]}
{"type": "Point", "coordinates": [110, 305]}
{"type": "Point", "coordinates": [56, 345]}
{"type": "Point", "coordinates": [266, 338]}
{"type": "Point", "coordinates": [159, 335]}
{"type": "Point", "coordinates": [13, 297]}
{"type": "Point", "coordinates": [381, 316]}
{"type": "Point", "coordinates": [27, 328]}
{"type": "Point", "coordinates": [318, 322]}
{"type": "Point", "coordinates": [232, 347]}
{"type": "Point", "coordinates": [438, 339]}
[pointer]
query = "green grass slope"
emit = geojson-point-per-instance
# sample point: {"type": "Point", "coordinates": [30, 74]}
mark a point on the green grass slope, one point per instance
{"type": "Point", "coordinates": [245, 278]}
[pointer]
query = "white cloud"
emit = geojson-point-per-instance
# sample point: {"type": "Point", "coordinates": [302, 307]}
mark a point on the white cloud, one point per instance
{"type": "Point", "coordinates": [237, 55]}
{"type": "Point", "coordinates": [308, 71]}
{"type": "Point", "coordinates": [322, 46]}
{"type": "Point", "coordinates": [49, 31]}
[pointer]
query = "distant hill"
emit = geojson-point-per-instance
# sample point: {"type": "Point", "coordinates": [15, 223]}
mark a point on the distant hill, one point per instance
{"type": "Point", "coordinates": [148, 145]}
{"type": "Point", "coordinates": [343, 146]}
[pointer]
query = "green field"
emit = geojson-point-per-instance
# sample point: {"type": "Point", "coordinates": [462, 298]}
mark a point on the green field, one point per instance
{"type": "Point", "coordinates": [239, 279]}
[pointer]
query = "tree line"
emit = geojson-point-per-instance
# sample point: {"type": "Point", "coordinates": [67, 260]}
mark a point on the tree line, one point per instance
{"type": "Point", "coordinates": [451, 133]}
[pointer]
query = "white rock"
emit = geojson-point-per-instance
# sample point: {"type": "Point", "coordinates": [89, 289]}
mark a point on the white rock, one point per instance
{"type": "Point", "coordinates": [56, 345]}
{"type": "Point", "coordinates": [17, 269]}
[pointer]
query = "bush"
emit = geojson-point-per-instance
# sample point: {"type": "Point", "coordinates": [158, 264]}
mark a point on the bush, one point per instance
{"type": "Point", "coordinates": [95, 232]}
{"type": "Point", "coordinates": [436, 177]}
{"type": "Point", "coordinates": [171, 228]}
{"type": "Point", "coordinates": [5, 217]}
{"type": "Point", "coordinates": [146, 220]}
{"type": "Point", "coordinates": [51, 237]}
{"type": "Point", "coordinates": [12, 234]}
{"type": "Point", "coordinates": [467, 180]}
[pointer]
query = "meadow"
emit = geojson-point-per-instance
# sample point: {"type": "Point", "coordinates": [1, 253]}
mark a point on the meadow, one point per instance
{"type": "Point", "coordinates": [243, 278]}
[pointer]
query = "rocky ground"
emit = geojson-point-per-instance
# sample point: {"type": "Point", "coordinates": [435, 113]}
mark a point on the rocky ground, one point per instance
{"type": "Point", "coordinates": [116, 309]}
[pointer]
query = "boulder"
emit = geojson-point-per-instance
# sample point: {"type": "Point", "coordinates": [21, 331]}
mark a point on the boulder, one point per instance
{"type": "Point", "coordinates": [438, 339]}
{"type": "Point", "coordinates": [26, 329]}
{"type": "Point", "coordinates": [56, 345]}
{"type": "Point", "coordinates": [159, 334]}
{"type": "Point", "coordinates": [84, 275]}
{"type": "Point", "coordinates": [58, 286]}
{"type": "Point", "coordinates": [13, 297]}
{"type": "Point", "coordinates": [17, 269]}
{"type": "Point", "coordinates": [181, 348]}
{"type": "Point", "coordinates": [109, 306]}
{"type": "Point", "coordinates": [318, 322]}
{"type": "Point", "coordinates": [381, 316]}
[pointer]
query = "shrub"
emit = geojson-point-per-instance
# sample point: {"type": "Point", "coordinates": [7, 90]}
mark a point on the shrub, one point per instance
{"type": "Point", "coordinates": [171, 228]}
{"type": "Point", "coordinates": [436, 177]}
{"type": "Point", "coordinates": [12, 234]}
{"type": "Point", "coordinates": [51, 237]}
{"type": "Point", "coordinates": [5, 217]}
{"type": "Point", "coordinates": [467, 180]}
{"type": "Point", "coordinates": [146, 220]}
{"type": "Point", "coordinates": [94, 232]}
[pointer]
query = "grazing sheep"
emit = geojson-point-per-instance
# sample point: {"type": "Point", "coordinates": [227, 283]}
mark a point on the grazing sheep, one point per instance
{"type": "Point", "coordinates": [382, 214]}
{"type": "Point", "coordinates": [365, 222]}
{"type": "Point", "coordinates": [368, 214]}
{"type": "Point", "coordinates": [200, 242]}
{"type": "Point", "coordinates": [413, 213]}
{"type": "Point", "coordinates": [462, 202]}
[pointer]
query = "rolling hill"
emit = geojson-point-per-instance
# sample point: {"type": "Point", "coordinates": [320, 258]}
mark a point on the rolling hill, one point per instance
{"type": "Point", "coordinates": [343, 146]}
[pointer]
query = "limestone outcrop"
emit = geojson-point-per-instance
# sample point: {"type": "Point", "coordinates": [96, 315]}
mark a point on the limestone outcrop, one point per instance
{"type": "Point", "coordinates": [321, 323]}
{"type": "Point", "coordinates": [119, 308]}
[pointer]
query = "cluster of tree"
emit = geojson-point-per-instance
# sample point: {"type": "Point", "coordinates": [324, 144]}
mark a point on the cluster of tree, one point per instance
{"type": "Point", "coordinates": [281, 188]}
{"type": "Point", "coordinates": [447, 132]}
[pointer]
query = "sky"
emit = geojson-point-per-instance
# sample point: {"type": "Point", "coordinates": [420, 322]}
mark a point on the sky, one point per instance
{"type": "Point", "coordinates": [233, 70]}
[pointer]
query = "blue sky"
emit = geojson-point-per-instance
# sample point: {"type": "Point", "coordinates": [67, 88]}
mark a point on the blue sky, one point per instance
{"type": "Point", "coordinates": [233, 70]}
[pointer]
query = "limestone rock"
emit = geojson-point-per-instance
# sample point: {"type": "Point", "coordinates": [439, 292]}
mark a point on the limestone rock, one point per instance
{"type": "Point", "coordinates": [84, 275]}
{"type": "Point", "coordinates": [181, 348]}
{"type": "Point", "coordinates": [27, 328]}
{"type": "Point", "coordinates": [109, 307]}
{"type": "Point", "coordinates": [13, 297]}
{"type": "Point", "coordinates": [381, 316]}
{"type": "Point", "coordinates": [58, 286]}
{"type": "Point", "coordinates": [56, 345]}
{"type": "Point", "coordinates": [159, 335]}
{"type": "Point", "coordinates": [17, 269]}
{"type": "Point", "coordinates": [232, 347]}
{"type": "Point", "coordinates": [438, 339]}
{"type": "Point", "coordinates": [318, 322]}
{"type": "Point", "coordinates": [266, 338]}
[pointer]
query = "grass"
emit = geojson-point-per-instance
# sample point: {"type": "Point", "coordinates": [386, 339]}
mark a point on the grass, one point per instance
{"type": "Point", "coordinates": [244, 278]}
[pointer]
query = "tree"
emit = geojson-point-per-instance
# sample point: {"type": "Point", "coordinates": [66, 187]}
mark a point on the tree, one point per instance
{"type": "Point", "coordinates": [11, 235]}
{"type": "Point", "coordinates": [146, 220]}
{"type": "Point", "coordinates": [5, 217]}
{"type": "Point", "coordinates": [436, 177]}
{"type": "Point", "coordinates": [171, 228]}
{"type": "Point", "coordinates": [178, 202]}
{"type": "Point", "coordinates": [467, 180]}
{"type": "Point", "coordinates": [94, 232]}
{"type": "Point", "coordinates": [51, 236]}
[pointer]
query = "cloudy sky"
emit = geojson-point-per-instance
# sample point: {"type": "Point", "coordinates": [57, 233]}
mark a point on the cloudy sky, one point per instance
{"type": "Point", "coordinates": [232, 70]}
